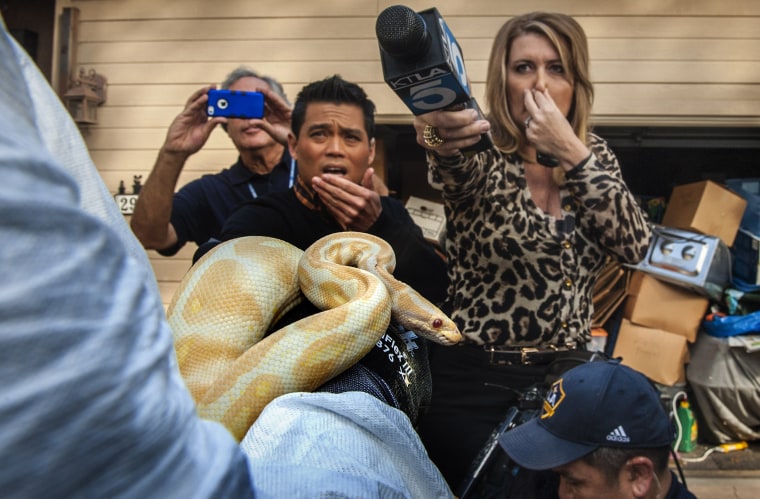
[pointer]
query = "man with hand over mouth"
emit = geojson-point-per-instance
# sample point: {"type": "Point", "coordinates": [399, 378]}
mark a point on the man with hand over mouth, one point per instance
{"type": "Point", "coordinates": [332, 139]}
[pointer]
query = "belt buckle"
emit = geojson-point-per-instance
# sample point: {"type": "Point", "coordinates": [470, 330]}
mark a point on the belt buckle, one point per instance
{"type": "Point", "coordinates": [495, 361]}
{"type": "Point", "coordinates": [524, 352]}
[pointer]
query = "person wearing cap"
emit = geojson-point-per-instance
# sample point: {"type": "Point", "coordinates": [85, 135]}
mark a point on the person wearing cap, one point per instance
{"type": "Point", "coordinates": [604, 431]}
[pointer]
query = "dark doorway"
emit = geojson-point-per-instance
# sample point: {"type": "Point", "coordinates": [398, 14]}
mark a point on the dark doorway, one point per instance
{"type": "Point", "coordinates": [31, 23]}
{"type": "Point", "coordinates": [653, 159]}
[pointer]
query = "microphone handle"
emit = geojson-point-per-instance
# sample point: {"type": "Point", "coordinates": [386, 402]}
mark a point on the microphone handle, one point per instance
{"type": "Point", "coordinates": [485, 142]}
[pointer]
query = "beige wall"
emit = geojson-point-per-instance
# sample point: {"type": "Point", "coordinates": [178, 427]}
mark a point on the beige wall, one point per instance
{"type": "Point", "coordinates": [654, 62]}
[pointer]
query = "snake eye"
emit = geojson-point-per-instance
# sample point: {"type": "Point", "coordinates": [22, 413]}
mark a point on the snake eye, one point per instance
{"type": "Point", "coordinates": [437, 323]}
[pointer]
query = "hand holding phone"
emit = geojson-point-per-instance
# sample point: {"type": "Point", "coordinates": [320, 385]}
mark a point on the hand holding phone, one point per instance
{"type": "Point", "coordinates": [235, 104]}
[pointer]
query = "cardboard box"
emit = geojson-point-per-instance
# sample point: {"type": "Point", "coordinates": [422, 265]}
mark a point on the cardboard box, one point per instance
{"type": "Point", "coordinates": [705, 207]}
{"type": "Point", "coordinates": [659, 355]}
{"type": "Point", "coordinates": [660, 305]}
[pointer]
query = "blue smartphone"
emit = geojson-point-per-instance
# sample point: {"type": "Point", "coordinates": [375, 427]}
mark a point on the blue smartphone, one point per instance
{"type": "Point", "coordinates": [235, 104]}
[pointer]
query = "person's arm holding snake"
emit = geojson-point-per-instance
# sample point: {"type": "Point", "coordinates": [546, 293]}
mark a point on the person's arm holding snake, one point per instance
{"type": "Point", "coordinates": [93, 404]}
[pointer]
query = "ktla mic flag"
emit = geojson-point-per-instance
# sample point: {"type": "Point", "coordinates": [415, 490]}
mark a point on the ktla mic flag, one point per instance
{"type": "Point", "coordinates": [421, 59]}
{"type": "Point", "coordinates": [422, 62]}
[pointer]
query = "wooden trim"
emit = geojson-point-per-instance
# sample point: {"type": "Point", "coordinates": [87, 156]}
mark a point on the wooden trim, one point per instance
{"type": "Point", "coordinates": [68, 29]}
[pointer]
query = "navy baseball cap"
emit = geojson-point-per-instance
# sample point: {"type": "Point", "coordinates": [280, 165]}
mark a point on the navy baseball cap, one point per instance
{"type": "Point", "coordinates": [597, 404]}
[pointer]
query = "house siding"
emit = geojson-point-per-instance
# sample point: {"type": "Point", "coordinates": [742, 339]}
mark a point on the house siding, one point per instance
{"type": "Point", "coordinates": [654, 63]}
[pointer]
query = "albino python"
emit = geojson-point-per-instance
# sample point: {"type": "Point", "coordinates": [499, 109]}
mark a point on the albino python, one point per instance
{"type": "Point", "coordinates": [229, 299]}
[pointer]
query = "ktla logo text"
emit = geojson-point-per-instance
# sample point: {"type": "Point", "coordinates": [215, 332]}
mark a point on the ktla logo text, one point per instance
{"type": "Point", "coordinates": [416, 78]}
{"type": "Point", "coordinates": [433, 95]}
{"type": "Point", "coordinates": [454, 54]}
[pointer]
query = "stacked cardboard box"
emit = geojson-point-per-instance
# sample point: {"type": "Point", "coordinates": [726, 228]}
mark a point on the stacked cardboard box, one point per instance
{"type": "Point", "coordinates": [662, 318]}
{"type": "Point", "coordinates": [705, 207]}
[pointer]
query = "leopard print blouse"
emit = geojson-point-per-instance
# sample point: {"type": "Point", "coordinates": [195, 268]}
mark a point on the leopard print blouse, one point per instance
{"type": "Point", "coordinates": [520, 277]}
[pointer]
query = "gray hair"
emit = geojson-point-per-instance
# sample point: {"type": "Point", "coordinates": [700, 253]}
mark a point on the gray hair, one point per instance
{"type": "Point", "coordinates": [244, 72]}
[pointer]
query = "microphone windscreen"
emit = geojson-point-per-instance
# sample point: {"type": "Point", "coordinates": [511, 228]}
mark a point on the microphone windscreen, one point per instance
{"type": "Point", "coordinates": [402, 32]}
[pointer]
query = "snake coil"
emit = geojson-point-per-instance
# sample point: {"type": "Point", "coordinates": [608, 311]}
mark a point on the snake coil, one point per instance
{"type": "Point", "coordinates": [228, 300]}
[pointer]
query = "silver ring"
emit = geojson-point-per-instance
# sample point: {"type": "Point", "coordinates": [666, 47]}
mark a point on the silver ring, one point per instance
{"type": "Point", "coordinates": [430, 137]}
{"type": "Point", "coordinates": [527, 121]}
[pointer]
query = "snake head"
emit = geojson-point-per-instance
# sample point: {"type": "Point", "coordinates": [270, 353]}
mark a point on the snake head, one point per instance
{"type": "Point", "coordinates": [444, 331]}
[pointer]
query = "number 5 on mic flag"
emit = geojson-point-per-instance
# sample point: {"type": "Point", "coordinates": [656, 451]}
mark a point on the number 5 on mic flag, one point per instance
{"type": "Point", "coordinates": [422, 63]}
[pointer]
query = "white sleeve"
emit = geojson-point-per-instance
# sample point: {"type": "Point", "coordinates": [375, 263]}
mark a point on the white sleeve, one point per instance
{"type": "Point", "coordinates": [91, 403]}
{"type": "Point", "coordinates": [339, 445]}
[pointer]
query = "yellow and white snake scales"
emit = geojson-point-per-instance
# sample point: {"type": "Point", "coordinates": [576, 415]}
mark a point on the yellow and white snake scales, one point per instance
{"type": "Point", "coordinates": [230, 297]}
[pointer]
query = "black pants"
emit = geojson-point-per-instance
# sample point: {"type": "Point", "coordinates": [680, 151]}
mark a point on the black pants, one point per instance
{"type": "Point", "coordinates": [470, 398]}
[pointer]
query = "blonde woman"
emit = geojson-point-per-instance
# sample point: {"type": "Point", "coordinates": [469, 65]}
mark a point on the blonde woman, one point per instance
{"type": "Point", "coordinates": [531, 222]}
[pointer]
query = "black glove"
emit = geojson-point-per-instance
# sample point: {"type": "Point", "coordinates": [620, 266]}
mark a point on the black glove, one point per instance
{"type": "Point", "coordinates": [396, 371]}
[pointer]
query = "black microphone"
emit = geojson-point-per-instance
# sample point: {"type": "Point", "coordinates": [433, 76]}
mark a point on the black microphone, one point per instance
{"type": "Point", "coordinates": [423, 64]}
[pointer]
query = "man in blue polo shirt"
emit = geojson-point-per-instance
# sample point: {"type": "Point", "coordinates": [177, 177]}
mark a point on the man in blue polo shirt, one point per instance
{"type": "Point", "coordinates": [165, 221]}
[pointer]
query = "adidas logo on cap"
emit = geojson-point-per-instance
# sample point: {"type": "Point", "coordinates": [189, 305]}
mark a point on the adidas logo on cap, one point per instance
{"type": "Point", "coordinates": [618, 435]}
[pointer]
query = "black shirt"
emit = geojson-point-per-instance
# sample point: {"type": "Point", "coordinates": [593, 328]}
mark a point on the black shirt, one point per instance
{"type": "Point", "coordinates": [678, 490]}
{"type": "Point", "coordinates": [283, 216]}
{"type": "Point", "coordinates": [200, 208]}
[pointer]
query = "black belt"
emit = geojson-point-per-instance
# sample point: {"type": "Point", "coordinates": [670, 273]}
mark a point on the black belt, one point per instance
{"type": "Point", "coordinates": [525, 356]}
